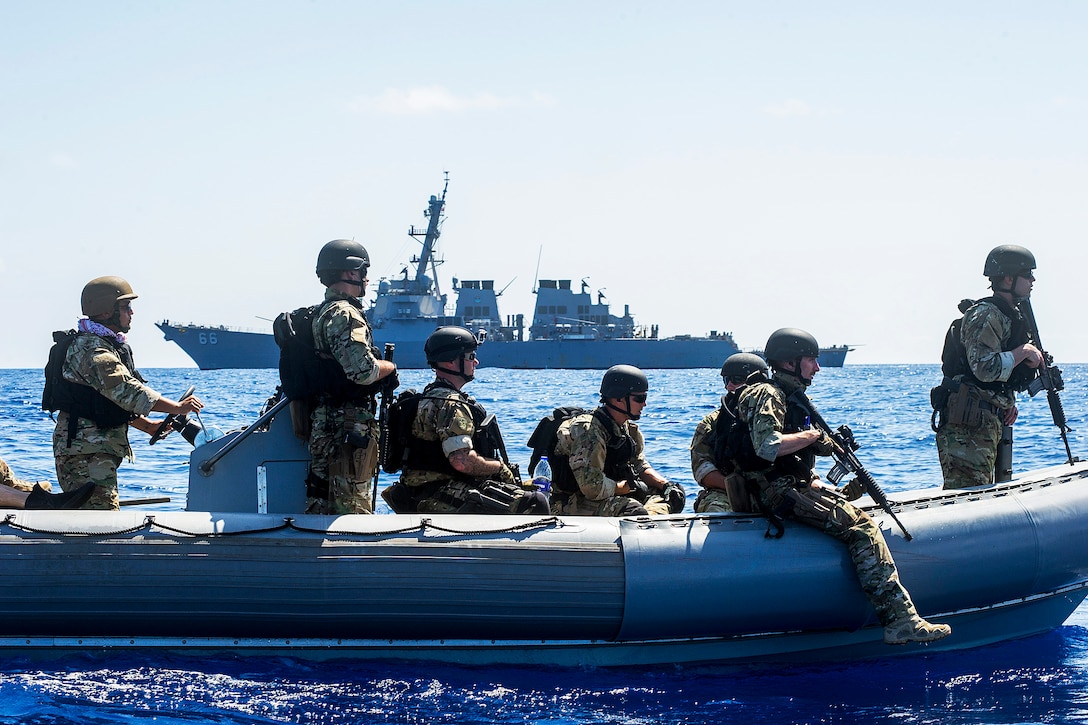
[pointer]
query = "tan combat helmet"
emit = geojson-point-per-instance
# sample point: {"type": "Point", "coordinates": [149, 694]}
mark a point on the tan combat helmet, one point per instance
{"type": "Point", "coordinates": [101, 295]}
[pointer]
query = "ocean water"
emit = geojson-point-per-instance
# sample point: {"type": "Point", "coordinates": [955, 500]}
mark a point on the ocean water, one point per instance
{"type": "Point", "coordinates": [1043, 679]}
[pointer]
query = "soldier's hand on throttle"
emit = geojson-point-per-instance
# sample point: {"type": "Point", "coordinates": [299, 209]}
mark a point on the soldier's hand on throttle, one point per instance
{"type": "Point", "coordinates": [190, 404]}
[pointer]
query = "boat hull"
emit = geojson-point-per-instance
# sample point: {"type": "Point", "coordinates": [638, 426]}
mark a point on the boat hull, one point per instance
{"type": "Point", "coordinates": [215, 348]}
{"type": "Point", "coordinates": [1002, 563]}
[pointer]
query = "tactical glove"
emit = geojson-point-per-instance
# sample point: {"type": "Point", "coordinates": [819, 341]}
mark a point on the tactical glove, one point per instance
{"type": "Point", "coordinates": [390, 382]}
{"type": "Point", "coordinates": [853, 490]}
{"type": "Point", "coordinates": [674, 496]}
{"type": "Point", "coordinates": [508, 476]}
{"type": "Point", "coordinates": [639, 490]}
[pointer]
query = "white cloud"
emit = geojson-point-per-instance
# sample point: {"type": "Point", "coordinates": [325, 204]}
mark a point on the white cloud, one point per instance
{"type": "Point", "coordinates": [436, 99]}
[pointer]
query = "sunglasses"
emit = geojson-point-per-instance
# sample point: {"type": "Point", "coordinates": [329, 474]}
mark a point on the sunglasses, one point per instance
{"type": "Point", "coordinates": [469, 356]}
{"type": "Point", "coordinates": [639, 398]}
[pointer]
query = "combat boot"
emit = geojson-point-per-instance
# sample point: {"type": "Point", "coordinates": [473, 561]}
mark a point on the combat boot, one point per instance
{"type": "Point", "coordinates": [914, 629]}
{"type": "Point", "coordinates": [39, 498]}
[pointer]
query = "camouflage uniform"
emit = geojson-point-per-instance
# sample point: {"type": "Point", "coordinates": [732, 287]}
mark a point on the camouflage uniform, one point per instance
{"type": "Point", "coordinates": [584, 439]}
{"type": "Point", "coordinates": [344, 437]}
{"type": "Point", "coordinates": [95, 453]}
{"type": "Point", "coordinates": [7, 478]}
{"type": "Point", "coordinates": [763, 407]}
{"type": "Point", "coordinates": [709, 500]}
{"type": "Point", "coordinates": [968, 452]}
{"type": "Point", "coordinates": [444, 415]}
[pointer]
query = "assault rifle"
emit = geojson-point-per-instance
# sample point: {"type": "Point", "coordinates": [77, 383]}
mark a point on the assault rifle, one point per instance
{"type": "Point", "coordinates": [490, 426]}
{"type": "Point", "coordinates": [1049, 379]}
{"type": "Point", "coordinates": [383, 427]}
{"type": "Point", "coordinates": [845, 460]}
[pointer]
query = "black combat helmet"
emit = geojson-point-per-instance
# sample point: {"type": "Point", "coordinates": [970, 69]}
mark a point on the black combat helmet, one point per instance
{"type": "Point", "coordinates": [740, 365]}
{"type": "Point", "coordinates": [790, 343]}
{"type": "Point", "coordinates": [101, 295]}
{"type": "Point", "coordinates": [449, 343]}
{"type": "Point", "coordinates": [619, 381]}
{"type": "Point", "coordinates": [339, 255]}
{"type": "Point", "coordinates": [1008, 260]}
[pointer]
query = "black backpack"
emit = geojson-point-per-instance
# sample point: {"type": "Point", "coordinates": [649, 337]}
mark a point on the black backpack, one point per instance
{"type": "Point", "coordinates": [546, 435]}
{"type": "Point", "coordinates": [954, 354]}
{"type": "Point", "coordinates": [54, 394]}
{"type": "Point", "coordinates": [304, 374]}
{"type": "Point", "coordinates": [399, 417]}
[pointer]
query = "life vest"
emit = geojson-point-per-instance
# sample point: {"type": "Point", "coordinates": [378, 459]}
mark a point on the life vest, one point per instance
{"type": "Point", "coordinates": [619, 449]}
{"type": "Point", "coordinates": [954, 364]}
{"type": "Point", "coordinates": [307, 373]}
{"type": "Point", "coordinates": [406, 450]}
{"type": "Point", "coordinates": [78, 400]}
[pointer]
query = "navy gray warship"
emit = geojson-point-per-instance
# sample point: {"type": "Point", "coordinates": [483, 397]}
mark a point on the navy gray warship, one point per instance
{"type": "Point", "coordinates": [570, 329]}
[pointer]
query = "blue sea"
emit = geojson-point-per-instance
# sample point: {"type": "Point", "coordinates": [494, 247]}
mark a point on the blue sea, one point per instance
{"type": "Point", "coordinates": [1043, 679]}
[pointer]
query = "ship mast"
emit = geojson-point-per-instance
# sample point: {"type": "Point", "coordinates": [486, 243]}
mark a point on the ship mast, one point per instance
{"type": "Point", "coordinates": [430, 237]}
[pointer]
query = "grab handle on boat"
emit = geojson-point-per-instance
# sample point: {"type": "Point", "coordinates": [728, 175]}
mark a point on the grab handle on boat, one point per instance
{"type": "Point", "coordinates": [207, 466]}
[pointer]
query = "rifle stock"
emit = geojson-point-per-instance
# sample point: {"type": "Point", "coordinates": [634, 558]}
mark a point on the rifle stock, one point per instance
{"type": "Point", "coordinates": [383, 427]}
{"type": "Point", "coordinates": [845, 460]}
{"type": "Point", "coordinates": [1050, 379]}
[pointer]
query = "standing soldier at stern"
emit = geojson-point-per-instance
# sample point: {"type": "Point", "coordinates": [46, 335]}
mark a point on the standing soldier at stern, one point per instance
{"type": "Point", "coordinates": [984, 365]}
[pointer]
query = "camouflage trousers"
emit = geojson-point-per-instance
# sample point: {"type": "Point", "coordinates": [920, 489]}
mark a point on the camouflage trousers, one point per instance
{"type": "Point", "coordinates": [829, 513]}
{"type": "Point", "coordinates": [578, 505]}
{"type": "Point", "coordinates": [712, 501]}
{"type": "Point", "coordinates": [968, 454]}
{"type": "Point", "coordinates": [7, 478]}
{"type": "Point", "coordinates": [101, 468]}
{"type": "Point", "coordinates": [343, 460]}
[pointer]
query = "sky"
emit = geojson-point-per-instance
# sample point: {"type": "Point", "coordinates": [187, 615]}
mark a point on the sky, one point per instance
{"type": "Point", "coordinates": [843, 167]}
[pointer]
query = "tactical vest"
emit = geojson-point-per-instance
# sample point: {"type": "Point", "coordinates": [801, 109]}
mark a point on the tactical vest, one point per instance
{"type": "Point", "coordinates": [720, 438]}
{"type": "Point", "coordinates": [619, 449]}
{"type": "Point", "coordinates": [798, 464]}
{"type": "Point", "coordinates": [78, 400]}
{"type": "Point", "coordinates": [954, 354]}
{"type": "Point", "coordinates": [425, 455]}
{"type": "Point", "coordinates": [307, 373]}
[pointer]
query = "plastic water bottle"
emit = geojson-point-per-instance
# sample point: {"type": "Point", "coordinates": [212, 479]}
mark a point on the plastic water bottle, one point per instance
{"type": "Point", "coordinates": [542, 475]}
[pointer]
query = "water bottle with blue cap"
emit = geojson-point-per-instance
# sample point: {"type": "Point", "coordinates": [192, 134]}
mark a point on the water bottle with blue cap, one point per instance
{"type": "Point", "coordinates": [542, 475]}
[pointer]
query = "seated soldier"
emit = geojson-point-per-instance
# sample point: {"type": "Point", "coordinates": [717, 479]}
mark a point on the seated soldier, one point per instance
{"type": "Point", "coordinates": [723, 488]}
{"type": "Point", "coordinates": [450, 463]}
{"type": "Point", "coordinates": [18, 494]}
{"type": "Point", "coordinates": [598, 467]}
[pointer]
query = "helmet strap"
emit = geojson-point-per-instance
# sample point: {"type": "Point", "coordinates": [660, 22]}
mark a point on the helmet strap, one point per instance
{"type": "Point", "coordinates": [625, 410]}
{"type": "Point", "coordinates": [114, 320]}
{"type": "Point", "coordinates": [459, 372]}
{"type": "Point", "coordinates": [354, 283]}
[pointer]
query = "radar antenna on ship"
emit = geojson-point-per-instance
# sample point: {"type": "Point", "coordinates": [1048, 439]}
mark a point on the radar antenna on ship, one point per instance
{"type": "Point", "coordinates": [430, 237]}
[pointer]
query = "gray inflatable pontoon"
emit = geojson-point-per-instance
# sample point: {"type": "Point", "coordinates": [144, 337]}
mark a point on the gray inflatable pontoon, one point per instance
{"type": "Point", "coordinates": [997, 563]}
